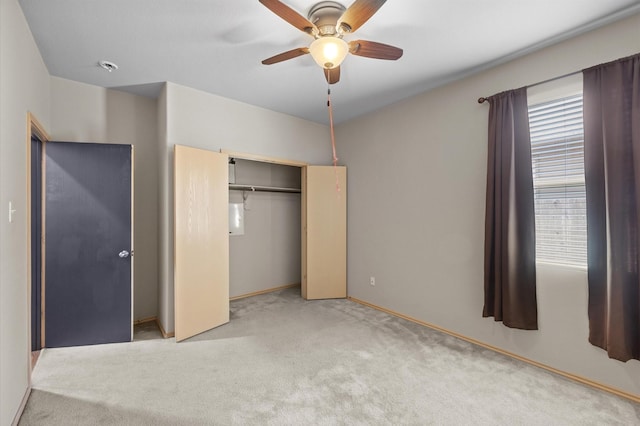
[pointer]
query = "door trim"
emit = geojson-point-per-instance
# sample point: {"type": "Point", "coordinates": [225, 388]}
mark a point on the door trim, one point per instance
{"type": "Point", "coordinates": [34, 129]}
{"type": "Point", "coordinates": [133, 233]}
{"type": "Point", "coordinates": [263, 158]}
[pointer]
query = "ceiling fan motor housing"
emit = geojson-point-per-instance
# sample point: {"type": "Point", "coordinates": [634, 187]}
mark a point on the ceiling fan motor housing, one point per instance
{"type": "Point", "coordinates": [325, 16]}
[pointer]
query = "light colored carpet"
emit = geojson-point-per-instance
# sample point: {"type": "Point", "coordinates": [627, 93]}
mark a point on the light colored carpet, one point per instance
{"type": "Point", "coordinates": [285, 361]}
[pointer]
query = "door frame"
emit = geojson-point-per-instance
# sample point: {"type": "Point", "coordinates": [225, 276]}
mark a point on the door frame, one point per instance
{"type": "Point", "coordinates": [263, 158]}
{"type": "Point", "coordinates": [304, 170]}
{"type": "Point", "coordinates": [303, 197]}
{"type": "Point", "coordinates": [37, 130]}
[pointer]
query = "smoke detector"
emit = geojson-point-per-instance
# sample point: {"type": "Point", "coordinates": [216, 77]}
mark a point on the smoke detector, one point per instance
{"type": "Point", "coordinates": [108, 65]}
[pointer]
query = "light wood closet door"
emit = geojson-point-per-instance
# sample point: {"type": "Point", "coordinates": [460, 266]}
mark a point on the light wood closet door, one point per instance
{"type": "Point", "coordinates": [324, 232]}
{"type": "Point", "coordinates": [201, 240]}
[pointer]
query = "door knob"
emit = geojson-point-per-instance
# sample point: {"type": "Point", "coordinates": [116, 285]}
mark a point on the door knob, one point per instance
{"type": "Point", "coordinates": [123, 254]}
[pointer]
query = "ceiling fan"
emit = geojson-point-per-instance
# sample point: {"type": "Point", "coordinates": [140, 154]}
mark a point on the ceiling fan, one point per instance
{"type": "Point", "coordinates": [327, 23]}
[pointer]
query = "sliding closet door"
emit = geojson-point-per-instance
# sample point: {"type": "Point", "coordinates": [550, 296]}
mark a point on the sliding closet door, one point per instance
{"type": "Point", "coordinates": [324, 232]}
{"type": "Point", "coordinates": [201, 240]}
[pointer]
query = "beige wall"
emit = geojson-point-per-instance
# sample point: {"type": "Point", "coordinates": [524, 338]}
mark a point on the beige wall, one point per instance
{"type": "Point", "coordinates": [208, 121]}
{"type": "Point", "coordinates": [417, 176]}
{"type": "Point", "coordinates": [86, 113]}
{"type": "Point", "coordinates": [24, 86]}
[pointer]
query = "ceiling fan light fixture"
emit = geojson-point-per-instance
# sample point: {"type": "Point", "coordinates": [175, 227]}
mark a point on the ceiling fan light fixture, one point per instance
{"type": "Point", "coordinates": [329, 51]}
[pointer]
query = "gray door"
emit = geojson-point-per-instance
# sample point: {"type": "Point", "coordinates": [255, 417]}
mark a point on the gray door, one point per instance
{"type": "Point", "coordinates": [87, 289]}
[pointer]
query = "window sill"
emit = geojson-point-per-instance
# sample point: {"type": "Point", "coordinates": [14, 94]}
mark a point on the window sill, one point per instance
{"type": "Point", "coordinates": [553, 265]}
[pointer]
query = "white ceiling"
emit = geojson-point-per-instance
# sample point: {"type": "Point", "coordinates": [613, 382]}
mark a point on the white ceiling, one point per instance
{"type": "Point", "coordinates": [217, 45]}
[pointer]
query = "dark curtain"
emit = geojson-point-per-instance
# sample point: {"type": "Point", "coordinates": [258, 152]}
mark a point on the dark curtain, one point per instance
{"type": "Point", "coordinates": [509, 255]}
{"type": "Point", "coordinates": [612, 168]}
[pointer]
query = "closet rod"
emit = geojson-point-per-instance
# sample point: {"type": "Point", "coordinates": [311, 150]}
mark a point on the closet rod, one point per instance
{"type": "Point", "coordinates": [240, 187]}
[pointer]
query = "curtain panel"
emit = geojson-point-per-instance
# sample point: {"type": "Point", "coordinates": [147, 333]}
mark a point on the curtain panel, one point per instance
{"type": "Point", "coordinates": [612, 178]}
{"type": "Point", "coordinates": [509, 257]}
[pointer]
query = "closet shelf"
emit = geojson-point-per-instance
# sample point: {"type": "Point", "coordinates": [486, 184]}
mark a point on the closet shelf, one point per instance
{"type": "Point", "coordinates": [241, 187]}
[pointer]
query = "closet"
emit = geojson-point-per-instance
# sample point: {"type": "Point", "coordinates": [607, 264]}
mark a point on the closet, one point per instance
{"type": "Point", "coordinates": [203, 199]}
{"type": "Point", "coordinates": [265, 226]}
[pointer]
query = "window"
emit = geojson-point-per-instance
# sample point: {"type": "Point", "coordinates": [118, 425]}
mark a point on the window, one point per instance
{"type": "Point", "coordinates": [557, 158]}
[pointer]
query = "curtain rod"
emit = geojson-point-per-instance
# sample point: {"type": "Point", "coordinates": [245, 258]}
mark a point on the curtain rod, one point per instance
{"type": "Point", "coordinates": [483, 99]}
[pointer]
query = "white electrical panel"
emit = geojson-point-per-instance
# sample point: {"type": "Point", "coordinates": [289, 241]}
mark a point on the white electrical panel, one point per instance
{"type": "Point", "coordinates": [236, 219]}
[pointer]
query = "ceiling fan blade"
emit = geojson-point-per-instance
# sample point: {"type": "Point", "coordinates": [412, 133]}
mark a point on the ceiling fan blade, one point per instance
{"type": "Point", "coordinates": [372, 49]}
{"type": "Point", "coordinates": [285, 56]}
{"type": "Point", "coordinates": [290, 15]}
{"type": "Point", "coordinates": [332, 75]}
{"type": "Point", "coordinates": [358, 13]}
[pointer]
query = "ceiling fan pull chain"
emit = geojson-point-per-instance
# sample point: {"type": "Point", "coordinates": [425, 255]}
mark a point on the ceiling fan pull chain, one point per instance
{"type": "Point", "coordinates": [333, 137]}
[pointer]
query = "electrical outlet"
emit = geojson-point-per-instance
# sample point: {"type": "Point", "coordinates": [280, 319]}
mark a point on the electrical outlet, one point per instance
{"type": "Point", "coordinates": [372, 281]}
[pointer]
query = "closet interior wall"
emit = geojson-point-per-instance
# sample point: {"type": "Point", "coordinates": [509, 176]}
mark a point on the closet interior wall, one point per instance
{"type": "Point", "coordinates": [267, 255]}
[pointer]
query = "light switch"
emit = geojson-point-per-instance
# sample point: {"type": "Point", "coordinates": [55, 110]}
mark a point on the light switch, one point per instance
{"type": "Point", "coordinates": [11, 211]}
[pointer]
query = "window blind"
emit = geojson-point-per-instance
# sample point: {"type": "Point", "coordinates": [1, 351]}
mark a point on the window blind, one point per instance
{"type": "Point", "coordinates": [557, 157]}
